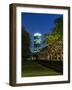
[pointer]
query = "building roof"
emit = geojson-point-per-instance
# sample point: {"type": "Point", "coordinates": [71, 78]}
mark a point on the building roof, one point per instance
{"type": "Point", "coordinates": [37, 34]}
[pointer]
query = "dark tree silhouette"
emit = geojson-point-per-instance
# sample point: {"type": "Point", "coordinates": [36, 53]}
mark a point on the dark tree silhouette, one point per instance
{"type": "Point", "coordinates": [59, 27]}
{"type": "Point", "coordinates": [25, 44]}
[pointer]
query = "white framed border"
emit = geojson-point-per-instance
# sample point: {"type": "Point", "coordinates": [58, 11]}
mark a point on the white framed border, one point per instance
{"type": "Point", "coordinates": [63, 77]}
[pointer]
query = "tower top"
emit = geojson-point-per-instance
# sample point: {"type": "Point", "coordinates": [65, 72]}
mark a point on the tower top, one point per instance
{"type": "Point", "coordinates": [37, 34]}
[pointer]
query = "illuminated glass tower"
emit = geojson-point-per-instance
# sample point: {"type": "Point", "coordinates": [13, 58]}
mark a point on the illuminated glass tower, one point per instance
{"type": "Point", "coordinates": [37, 42]}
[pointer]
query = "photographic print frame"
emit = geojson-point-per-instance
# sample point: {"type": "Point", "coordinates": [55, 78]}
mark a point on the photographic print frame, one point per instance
{"type": "Point", "coordinates": [15, 47]}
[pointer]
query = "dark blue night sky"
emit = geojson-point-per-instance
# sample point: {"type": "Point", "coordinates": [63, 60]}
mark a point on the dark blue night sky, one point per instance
{"type": "Point", "coordinates": [42, 23]}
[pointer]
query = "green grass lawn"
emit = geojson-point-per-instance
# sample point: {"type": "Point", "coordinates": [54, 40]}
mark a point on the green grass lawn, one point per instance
{"type": "Point", "coordinates": [32, 68]}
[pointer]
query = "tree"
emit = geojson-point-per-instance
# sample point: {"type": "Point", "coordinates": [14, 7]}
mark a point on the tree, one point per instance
{"type": "Point", "coordinates": [59, 27]}
{"type": "Point", "coordinates": [25, 44]}
{"type": "Point", "coordinates": [57, 33]}
{"type": "Point", "coordinates": [51, 38]}
{"type": "Point", "coordinates": [54, 42]}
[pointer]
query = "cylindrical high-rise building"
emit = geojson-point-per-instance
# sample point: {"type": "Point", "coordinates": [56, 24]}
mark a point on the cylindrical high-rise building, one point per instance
{"type": "Point", "coordinates": [37, 42]}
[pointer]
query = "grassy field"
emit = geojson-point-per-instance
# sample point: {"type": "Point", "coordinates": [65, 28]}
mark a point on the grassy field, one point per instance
{"type": "Point", "coordinates": [33, 68]}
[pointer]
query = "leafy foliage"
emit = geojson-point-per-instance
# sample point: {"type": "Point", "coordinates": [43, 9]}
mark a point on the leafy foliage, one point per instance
{"type": "Point", "coordinates": [57, 33]}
